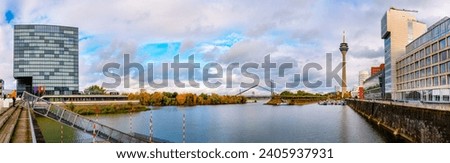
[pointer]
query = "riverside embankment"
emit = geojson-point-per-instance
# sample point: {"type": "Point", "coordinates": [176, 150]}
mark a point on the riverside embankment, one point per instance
{"type": "Point", "coordinates": [407, 122]}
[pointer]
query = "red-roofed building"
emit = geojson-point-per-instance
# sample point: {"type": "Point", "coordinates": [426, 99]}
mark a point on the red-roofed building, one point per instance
{"type": "Point", "coordinates": [375, 70]}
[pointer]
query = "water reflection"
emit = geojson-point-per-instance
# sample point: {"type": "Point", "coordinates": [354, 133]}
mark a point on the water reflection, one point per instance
{"type": "Point", "coordinates": [252, 122]}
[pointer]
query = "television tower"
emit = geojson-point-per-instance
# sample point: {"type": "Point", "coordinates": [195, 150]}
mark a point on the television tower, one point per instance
{"type": "Point", "coordinates": [344, 48]}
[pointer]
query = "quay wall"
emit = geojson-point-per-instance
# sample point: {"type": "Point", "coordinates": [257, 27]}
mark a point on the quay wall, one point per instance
{"type": "Point", "coordinates": [409, 123]}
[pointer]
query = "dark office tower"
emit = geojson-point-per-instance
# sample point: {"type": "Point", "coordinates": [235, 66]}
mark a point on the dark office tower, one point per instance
{"type": "Point", "coordinates": [46, 59]}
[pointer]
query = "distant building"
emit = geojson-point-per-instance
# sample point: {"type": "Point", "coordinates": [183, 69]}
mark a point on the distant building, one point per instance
{"type": "Point", "coordinates": [361, 92]}
{"type": "Point", "coordinates": [374, 87]}
{"type": "Point", "coordinates": [2, 85]}
{"type": "Point", "coordinates": [358, 90]}
{"type": "Point", "coordinates": [112, 92]}
{"type": "Point", "coordinates": [423, 73]}
{"type": "Point", "coordinates": [363, 75]}
{"type": "Point", "coordinates": [376, 69]}
{"type": "Point", "coordinates": [46, 59]}
{"type": "Point", "coordinates": [355, 91]}
{"type": "Point", "coordinates": [398, 28]}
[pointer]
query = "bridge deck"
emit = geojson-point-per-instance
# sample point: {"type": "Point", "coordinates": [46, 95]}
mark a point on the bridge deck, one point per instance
{"type": "Point", "coordinates": [74, 120]}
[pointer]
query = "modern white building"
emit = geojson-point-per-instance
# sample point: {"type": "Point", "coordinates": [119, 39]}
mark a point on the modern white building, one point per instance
{"type": "Point", "coordinates": [355, 91]}
{"type": "Point", "coordinates": [398, 28]}
{"type": "Point", "coordinates": [423, 72]}
{"type": "Point", "coordinates": [363, 76]}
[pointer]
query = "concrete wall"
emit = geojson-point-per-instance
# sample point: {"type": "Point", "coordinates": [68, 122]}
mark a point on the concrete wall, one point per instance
{"type": "Point", "coordinates": [5, 103]}
{"type": "Point", "coordinates": [406, 122]}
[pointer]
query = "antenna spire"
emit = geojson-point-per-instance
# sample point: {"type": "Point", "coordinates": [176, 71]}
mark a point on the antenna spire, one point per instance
{"type": "Point", "coordinates": [343, 36]}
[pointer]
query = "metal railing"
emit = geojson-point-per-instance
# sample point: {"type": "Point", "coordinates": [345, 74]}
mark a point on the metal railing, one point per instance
{"type": "Point", "coordinates": [30, 120]}
{"type": "Point", "coordinates": [433, 106]}
{"type": "Point", "coordinates": [74, 120]}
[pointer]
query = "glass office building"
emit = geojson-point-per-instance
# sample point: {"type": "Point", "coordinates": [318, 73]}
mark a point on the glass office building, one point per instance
{"type": "Point", "coordinates": [46, 59]}
{"type": "Point", "coordinates": [423, 73]}
{"type": "Point", "coordinates": [374, 87]}
{"type": "Point", "coordinates": [398, 28]}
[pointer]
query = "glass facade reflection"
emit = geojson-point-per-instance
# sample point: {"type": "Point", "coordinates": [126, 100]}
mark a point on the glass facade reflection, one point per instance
{"type": "Point", "coordinates": [374, 87]}
{"type": "Point", "coordinates": [46, 59]}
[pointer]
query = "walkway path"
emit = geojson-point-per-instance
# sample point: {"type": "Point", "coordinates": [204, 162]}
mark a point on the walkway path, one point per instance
{"type": "Point", "coordinates": [14, 126]}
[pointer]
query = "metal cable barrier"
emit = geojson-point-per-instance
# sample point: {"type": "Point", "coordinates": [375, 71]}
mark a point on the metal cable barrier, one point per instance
{"type": "Point", "coordinates": [74, 120]}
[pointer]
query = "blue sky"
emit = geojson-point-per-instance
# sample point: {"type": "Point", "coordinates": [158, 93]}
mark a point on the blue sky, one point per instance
{"type": "Point", "coordinates": [9, 15]}
{"type": "Point", "coordinates": [159, 50]}
{"type": "Point", "coordinates": [292, 31]}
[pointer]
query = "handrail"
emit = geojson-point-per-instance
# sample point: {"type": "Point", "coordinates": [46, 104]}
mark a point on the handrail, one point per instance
{"type": "Point", "coordinates": [30, 120]}
{"type": "Point", "coordinates": [74, 120]}
{"type": "Point", "coordinates": [432, 106]}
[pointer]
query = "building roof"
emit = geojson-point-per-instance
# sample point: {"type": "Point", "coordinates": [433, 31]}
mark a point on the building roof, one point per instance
{"type": "Point", "coordinates": [83, 96]}
{"type": "Point", "coordinates": [429, 35]}
{"type": "Point", "coordinates": [48, 25]}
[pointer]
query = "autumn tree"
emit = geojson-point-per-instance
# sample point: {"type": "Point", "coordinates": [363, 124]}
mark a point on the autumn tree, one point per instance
{"type": "Point", "coordinates": [95, 90]}
{"type": "Point", "coordinates": [181, 99]}
{"type": "Point", "coordinates": [185, 99]}
{"type": "Point", "coordinates": [156, 99]}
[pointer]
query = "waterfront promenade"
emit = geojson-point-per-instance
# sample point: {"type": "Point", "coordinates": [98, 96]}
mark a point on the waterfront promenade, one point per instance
{"type": "Point", "coordinates": [14, 125]}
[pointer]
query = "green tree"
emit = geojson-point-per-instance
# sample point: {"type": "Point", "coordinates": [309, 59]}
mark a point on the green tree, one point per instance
{"type": "Point", "coordinates": [215, 99]}
{"type": "Point", "coordinates": [174, 94]}
{"type": "Point", "coordinates": [156, 99]}
{"type": "Point", "coordinates": [203, 96]}
{"type": "Point", "coordinates": [167, 94]}
{"type": "Point", "coordinates": [286, 93]}
{"type": "Point", "coordinates": [95, 90]}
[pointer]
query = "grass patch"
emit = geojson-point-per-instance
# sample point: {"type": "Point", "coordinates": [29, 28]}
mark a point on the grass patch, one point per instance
{"type": "Point", "coordinates": [105, 109]}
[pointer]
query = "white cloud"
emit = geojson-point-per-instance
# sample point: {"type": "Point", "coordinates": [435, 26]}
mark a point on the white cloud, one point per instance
{"type": "Point", "coordinates": [291, 31]}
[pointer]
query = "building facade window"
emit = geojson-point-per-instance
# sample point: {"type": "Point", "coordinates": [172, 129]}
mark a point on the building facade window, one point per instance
{"type": "Point", "coordinates": [435, 81]}
{"type": "Point", "coordinates": [442, 44]}
{"type": "Point", "coordinates": [443, 68]}
{"type": "Point", "coordinates": [448, 40]}
{"type": "Point", "coordinates": [437, 98]}
{"type": "Point", "coordinates": [448, 79]}
{"type": "Point", "coordinates": [443, 56]}
{"type": "Point", "coordinates": [435, 70]}
{"type": "Point", "coordinates": [435, 47]}
{"type": "Point", "coordinates": [435, 58]}
{"type": "Point", "coordinates": [443, 80]}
